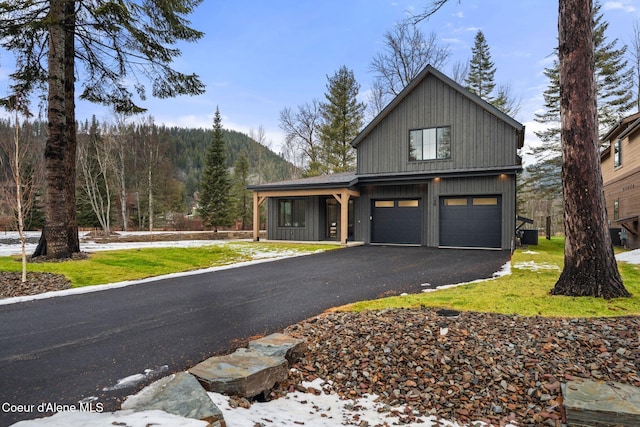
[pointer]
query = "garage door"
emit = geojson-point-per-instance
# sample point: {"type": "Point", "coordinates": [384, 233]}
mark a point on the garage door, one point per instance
{"type": "Point", "coordinates": [396, 221]}
{"type": "Point", "coordinates": [471, 221]}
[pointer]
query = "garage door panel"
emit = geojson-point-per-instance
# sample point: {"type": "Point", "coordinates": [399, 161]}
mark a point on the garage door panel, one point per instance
{"type": "Point", "coordinates": [475, 223]}
{"type": "Point", "coordinates": [397, 221]}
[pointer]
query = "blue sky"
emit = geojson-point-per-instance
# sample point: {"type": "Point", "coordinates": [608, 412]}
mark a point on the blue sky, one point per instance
{"type": "Point", "coordinates": [258, 57]}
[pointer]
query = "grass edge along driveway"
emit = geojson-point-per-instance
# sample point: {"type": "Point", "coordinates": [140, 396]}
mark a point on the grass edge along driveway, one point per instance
{"type": "Point", "coordinates": [525, 292]}
{"type": "Point", "coordinates": [113, 266]}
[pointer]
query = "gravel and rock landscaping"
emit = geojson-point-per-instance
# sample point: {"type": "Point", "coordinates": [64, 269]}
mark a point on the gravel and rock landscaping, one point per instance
{"type": "Point", "coordinates": [476, 367]}
{"type": "Point", "coordinates": [11, 284]}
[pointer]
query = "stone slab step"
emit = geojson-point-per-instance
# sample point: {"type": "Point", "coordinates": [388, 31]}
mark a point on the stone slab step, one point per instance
{"type": "Point", "coordinates": [179, 394]}
{"type": "Point", "coordinates": [281, 345]}
{"type": "Point", "coordinates": [245, 373]}
{"type": "Point", "coordinates": [600, 403]}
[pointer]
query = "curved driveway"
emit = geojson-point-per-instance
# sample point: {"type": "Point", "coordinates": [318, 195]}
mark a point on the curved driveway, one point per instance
{"type": "Point", "coordinates": [65, 349]}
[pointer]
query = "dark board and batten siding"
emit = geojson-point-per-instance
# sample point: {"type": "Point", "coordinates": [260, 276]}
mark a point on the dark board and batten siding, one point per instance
{"type": "Point", "coordinates": [314, 218]}
{"type": "Point", "coordinates": [479, 139]}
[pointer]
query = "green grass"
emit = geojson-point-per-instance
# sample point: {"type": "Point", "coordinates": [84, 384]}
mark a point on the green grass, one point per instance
{"type": "Point", "coordinates": [131, 264]}
{"type": "Point", "coordinates": [524, 291]}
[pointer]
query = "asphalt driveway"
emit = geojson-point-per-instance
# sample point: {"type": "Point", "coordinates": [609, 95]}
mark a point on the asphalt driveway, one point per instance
{"type": "Point", "coordinates": [66, 349]}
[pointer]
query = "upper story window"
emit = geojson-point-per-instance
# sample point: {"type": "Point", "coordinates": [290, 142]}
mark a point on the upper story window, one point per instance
{"type": "Point", "coordinates": [617, 153]}
{"type": "Point", "coordinates": [430, 144]}
{"type": "Point", "coordinates": [291, 213]}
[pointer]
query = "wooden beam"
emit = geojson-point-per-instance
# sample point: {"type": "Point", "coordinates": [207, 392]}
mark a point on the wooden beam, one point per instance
{"type": "Point", "coordinates": [256, 217]}
{"type": "Point", "coordinates": [344, 216]}
{"type": "Point", "coordinates": [310, 192]}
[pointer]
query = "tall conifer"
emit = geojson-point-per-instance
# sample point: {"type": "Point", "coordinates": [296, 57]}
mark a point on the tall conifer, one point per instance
{"type": "Point", "coordinates": [614, 93]}
{"type": "Point", "coordinates": [215, 183]}
{"type": "Point", "coordinates": [343, 117]}
{"type": "Point", "coordinates": [481, 77]}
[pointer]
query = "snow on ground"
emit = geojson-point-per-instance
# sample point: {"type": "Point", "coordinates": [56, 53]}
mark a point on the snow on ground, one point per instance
{"type": "Point", "coordinates": [632, 257]}
{"type": "Point", "coordinates": [87, 245]}
{"type": "Point", "coordinates": [324, 409]}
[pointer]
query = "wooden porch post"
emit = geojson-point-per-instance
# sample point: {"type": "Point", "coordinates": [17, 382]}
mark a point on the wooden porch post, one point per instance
{"type": "Point", "coordinates": [257, 202]}
{"type": "Point", "coordinates": [344, 217]}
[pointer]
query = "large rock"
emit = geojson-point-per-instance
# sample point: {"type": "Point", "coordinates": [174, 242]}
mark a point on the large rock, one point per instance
{"type": "Point", "coordinates": [243, 373]}
{"type": "Point", "coordinates": [281, 345]}
{"type": "Point", "coordinates": [599, 403]}
{"type": "Point", "coordinates": [178, 394]}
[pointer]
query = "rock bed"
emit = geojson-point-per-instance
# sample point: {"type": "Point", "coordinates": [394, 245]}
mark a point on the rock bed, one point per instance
{"type": "Point", "coordinates": [476, 367]}
{"type": "Point", "coordinates": [11, 284]}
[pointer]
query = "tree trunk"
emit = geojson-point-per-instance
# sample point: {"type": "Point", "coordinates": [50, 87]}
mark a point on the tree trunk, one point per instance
{"type": "Point", "coordinates": [590, 267]}
{"type": "Point", "coordinates": [56, 232]}
{"type": "Point", "coordinates": [70, 130]}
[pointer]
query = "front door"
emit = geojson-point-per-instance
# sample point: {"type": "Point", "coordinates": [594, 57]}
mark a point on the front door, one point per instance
{"type": "Point", "coordinates": [333, 219]}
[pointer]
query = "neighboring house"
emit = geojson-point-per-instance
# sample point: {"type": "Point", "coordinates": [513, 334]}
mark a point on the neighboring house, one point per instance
{"type": "Point", "coordinates": [621, 176]}
{"type": "Point", "coordinates": [437, 167]}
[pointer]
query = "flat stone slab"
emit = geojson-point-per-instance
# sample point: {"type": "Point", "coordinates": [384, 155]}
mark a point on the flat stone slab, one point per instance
{"type": "Point", "coordinates": [600, 403]}
{"type": "Point", "coordinates": [281, 345]}
{"type": "Point", "coordinates": [179, 394]}
{"type": "Point", "coordinates": [245, 373]}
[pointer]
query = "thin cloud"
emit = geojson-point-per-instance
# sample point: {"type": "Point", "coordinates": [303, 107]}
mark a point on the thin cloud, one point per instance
{"type": "Point", "coordinates": [625, 6]}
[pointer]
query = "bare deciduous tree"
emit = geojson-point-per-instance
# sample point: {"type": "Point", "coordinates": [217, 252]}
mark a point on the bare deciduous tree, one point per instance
{"type": "Point", "coordinates": [95, 160]}
{"type": "Point", "coordinates": [406, 52]}
{"type": "Point", "coordinates": [24, 174]}
{"type": "Point", "coordinates": [302, 130]}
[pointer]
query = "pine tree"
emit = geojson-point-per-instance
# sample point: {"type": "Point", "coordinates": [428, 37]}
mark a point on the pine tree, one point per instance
{"type": "Point", "coordinates": [614, 92]}
{"type": "Point", "coordinates": [481, 77]}
{"type": "Point", "coordinates": [215, 184]}
{"type": "Point", "coordinates": [113, 40]}
{"type": "Point", "coordinates": [342, 117]}
{"type": "Point", "coordinates": [243, 198]}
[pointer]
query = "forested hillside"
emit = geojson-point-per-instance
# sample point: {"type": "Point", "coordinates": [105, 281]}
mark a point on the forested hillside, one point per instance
{"type": "Point", "coordinates": [187, 149]}
{"type": "Point", "coordinates": [130, 173]}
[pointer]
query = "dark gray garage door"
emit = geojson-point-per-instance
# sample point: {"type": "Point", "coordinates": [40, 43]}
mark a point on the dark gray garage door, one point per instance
{"type": "Point", "coordinates": [396, 221]}
{"type": "Point", "coordinates": [471, 221]}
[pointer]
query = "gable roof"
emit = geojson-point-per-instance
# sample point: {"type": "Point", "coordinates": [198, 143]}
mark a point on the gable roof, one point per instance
{"type": "Point", "coordinates": [430, 71]}
{"type": "Point", "coordinates": [625, 125]}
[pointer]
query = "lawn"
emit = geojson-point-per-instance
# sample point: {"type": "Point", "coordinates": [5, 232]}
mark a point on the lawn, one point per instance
{"type": "Point", "coordinates": [525, 291]}
{"type": "Point", "coordinates": [120, 265]}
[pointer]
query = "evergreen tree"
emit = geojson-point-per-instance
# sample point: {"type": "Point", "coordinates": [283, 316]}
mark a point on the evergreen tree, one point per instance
{"type": "Point", "coordinates": [113, 40]}
{"type": "Point", "coordinates": [481, 77]}
{"type": "Point", "coordinates": [243, 198]}
{"type": "Point", "coordinates": [614, 93]}
{"type": "Point", "coordinates": [215, 184]}
{"type": "Point", "coordinates": [343, 117]}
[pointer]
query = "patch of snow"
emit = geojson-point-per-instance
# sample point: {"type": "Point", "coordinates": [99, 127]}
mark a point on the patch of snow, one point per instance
{"type": "Point", "coordinates": [322, 410]}
{"type": "Point", "coordinates": [530, 252]}
{"type": "Point", "coordinates": [632, 257]}
{"type": "Point", "coordinates": [535, 266]}
{"type": "Point", "coordinates": [129, 418]}
{"type": "Point", "coordinates": [132, 380]}
{"type": "Point", "coordinates": [504, 271]}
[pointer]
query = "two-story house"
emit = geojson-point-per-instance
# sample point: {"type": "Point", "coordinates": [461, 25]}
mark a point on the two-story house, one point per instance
{"type": "Point", "coordinates": [620, 163]}
{"type": "Point", "coordinates": [437, 167]}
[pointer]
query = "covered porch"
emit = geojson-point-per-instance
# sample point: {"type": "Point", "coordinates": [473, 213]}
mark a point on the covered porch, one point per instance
{"type": "Point", "coordinates": [307, 209]}
{"type": "Point", "coordinates": [342, 195]}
